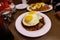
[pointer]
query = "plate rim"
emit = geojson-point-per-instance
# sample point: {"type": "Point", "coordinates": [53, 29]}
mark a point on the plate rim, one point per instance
{"type": "Point", "coordinates": [21, 4]}
{"type": "Point", "coordinates": [29, 31]}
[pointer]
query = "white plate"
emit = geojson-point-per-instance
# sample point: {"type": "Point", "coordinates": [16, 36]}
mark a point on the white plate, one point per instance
{"type": "Point", "coordinates": [36, 33]}
{"type": "Point", "coordinates": [7, 12]}
{"type": "Point", "coordinates": [21, 6]}
{"type": "Point", "coordinates": [41, 11]}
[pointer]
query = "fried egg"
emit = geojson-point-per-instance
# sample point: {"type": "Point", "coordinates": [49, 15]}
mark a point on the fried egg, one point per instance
{"type": "Point", "coordinates": [37, 5]}
{"type": "Point", "coordinates": [31, 19]}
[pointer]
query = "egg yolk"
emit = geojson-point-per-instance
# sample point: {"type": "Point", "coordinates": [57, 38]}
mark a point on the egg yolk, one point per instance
{"type": "Point", "coordinates": [28, 19]}
{"type": "Point", "coordinates": [32, 12]}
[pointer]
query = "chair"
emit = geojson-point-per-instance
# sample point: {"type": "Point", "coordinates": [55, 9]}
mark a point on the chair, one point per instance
{"type": "Point", "coordinates": [5, 33]}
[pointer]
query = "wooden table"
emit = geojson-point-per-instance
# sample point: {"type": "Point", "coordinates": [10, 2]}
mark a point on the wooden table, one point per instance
{"type": "Point", "coordinates": [53, 34]}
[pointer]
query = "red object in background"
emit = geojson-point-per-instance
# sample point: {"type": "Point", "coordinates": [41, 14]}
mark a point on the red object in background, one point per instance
{"type": "Point", "coordinates": [1, 8]}
{"type": "Point", "coordinates": [6, 4]}
{"type": "Point", "coordinates": [1, 21]}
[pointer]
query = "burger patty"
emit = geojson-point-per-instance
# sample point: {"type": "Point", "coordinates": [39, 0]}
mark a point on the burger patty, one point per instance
{"type": "Point", "coordinates": [35, 27]}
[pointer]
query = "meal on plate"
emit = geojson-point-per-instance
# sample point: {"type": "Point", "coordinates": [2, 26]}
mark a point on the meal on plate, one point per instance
{"type": "Point", "coordinates": [32, 21]}
{"type": "Point", "coordinates": [39, 7]}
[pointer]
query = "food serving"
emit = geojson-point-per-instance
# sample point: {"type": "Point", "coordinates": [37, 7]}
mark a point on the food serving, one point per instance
{"type": "Point", "coordinates": [39, 7]}
{"type": "Point", "coordinates": [32, 21]}
{"type": "Point", "coordinates": [25, 30]}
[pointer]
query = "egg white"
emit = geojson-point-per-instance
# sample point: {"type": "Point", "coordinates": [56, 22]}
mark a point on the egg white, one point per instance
{"type": "Point", "coordinates": [34, 21]}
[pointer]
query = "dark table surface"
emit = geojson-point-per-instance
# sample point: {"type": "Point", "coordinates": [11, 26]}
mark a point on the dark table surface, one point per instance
{"type": "Point", "coordinates": [53, 34]}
